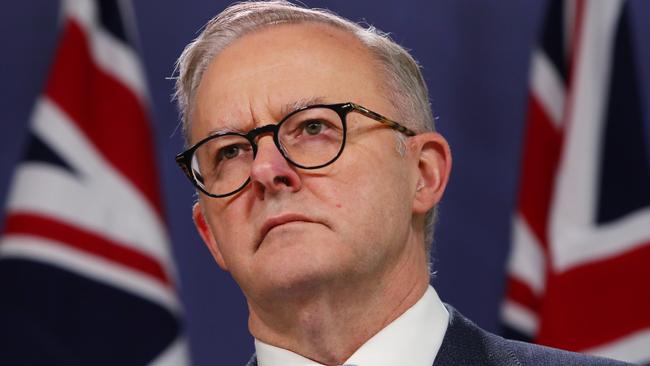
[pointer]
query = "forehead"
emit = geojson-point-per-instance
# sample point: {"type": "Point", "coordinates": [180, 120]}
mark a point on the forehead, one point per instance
{"type": "Point", "coordinates": [255, 78]}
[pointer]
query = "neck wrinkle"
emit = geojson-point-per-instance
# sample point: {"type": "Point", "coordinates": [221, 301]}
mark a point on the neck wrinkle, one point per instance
{"type": "Point", "coordinates": [329, 326]}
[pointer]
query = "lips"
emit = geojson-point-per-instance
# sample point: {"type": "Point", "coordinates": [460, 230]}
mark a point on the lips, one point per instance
{"type": "Point", "coordinates": [275, 221]}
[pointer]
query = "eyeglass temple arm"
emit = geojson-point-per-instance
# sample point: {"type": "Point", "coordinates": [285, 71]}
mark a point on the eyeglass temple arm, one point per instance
{"type": "Point", "coordinates": [379, 118]}
{"type": "Point", "coordinates": [181, 160]}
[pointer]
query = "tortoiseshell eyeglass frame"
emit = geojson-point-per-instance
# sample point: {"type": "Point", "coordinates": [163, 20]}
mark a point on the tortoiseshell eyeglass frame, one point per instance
{"type": "Point", "coordinates": [184, 159]}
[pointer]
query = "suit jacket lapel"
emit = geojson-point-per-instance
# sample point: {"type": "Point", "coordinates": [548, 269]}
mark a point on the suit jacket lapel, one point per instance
{"type": "Point", "coordinates": [252, 361]}
{"type": "Point", "coordinates": [464, 343]}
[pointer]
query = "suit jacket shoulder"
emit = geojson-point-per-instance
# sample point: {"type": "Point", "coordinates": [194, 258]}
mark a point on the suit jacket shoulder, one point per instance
{"type": "Point", "coordinates": [465, 343]}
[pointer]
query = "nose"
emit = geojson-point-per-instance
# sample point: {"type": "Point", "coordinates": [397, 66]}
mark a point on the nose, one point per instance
{"type": "Point", "coordinates": [271, 173]}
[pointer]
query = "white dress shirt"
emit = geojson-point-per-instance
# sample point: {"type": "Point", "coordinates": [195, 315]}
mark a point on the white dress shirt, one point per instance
{"type": "Point", "coordinates": [413, 339]}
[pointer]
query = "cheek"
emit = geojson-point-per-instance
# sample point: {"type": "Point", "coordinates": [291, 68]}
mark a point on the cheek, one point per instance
{"type": "Point", "coordinates": [231, 231]}
{"type": "Point", "coordinates": [362, 200]}
{"type": "Point", "coordinates": [379, 192]}
{"type": "Point", "coordinates": [360, 182]}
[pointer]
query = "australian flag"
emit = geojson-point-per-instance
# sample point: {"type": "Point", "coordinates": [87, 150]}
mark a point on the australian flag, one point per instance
{"type": "Point", "coordinates": [86, 275]}
{"type": "Point", "coordinates": [580, 261]}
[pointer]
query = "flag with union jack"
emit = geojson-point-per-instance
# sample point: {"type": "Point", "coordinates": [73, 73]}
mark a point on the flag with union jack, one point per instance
{"type": "Point", "coordinates": [86, 275]}
{"type": "Point", "coordinates": [580, 260]}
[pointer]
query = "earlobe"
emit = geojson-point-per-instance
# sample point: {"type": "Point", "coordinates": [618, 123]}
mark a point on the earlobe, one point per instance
{"type": "Point", "coordinates": [434, 167]}
{"type": "Point", "coordinates": [207, 236]}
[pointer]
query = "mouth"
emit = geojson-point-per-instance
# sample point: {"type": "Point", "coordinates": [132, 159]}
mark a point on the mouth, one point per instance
{"type": "Point", "coordinates": [279, 220]}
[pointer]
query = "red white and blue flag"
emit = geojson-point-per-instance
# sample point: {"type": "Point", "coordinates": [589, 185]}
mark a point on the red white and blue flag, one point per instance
{"type": "Point", "coordinates": [86, 274]}
{"type": "Point", "coordinates": [579, 271]}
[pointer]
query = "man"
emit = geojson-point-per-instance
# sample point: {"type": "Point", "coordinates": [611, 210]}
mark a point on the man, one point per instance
{"type": "Point", "coordinates": [314, 151]}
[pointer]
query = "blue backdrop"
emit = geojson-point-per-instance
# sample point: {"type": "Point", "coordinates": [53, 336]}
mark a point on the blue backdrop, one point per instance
{"type": "Point", "coordinates": [475, 59]}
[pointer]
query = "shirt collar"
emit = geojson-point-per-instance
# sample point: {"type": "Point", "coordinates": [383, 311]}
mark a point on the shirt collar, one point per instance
{"type": "Point", "coordinates": [414, 338]}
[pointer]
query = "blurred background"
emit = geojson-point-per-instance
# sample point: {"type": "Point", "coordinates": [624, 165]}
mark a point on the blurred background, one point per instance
{"type": "Point", "coordinates": [475, 58]}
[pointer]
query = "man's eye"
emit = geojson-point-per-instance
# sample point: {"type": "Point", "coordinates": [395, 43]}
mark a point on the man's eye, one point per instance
{"type": "Point", "coordinates": [313, 127]}
{"type": "Point", "coordinates": [229, 152]}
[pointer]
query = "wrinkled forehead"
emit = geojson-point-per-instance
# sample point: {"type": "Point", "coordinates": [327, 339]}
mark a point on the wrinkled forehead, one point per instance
{"type": "Point", "coordinates": [258, 75]}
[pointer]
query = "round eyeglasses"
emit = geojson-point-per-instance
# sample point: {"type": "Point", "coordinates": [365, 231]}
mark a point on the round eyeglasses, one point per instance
{"type": "Point", "coordinates": [311, 137]}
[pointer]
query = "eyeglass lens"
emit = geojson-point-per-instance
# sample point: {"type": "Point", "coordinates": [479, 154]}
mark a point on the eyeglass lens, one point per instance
{"type": "Point", "coordinates": [309, 138]}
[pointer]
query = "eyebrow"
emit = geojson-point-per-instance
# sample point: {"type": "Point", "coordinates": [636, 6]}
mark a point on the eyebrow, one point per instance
{"type": "Point", "coordinates": [218, 131]}
{"type": "Point", "coordinates": [301, 103]}
{"type": "Point", "coordinates": [284, 110]}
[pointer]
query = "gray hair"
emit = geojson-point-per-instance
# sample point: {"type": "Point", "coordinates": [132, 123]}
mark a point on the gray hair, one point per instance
{"type": "Point", "coordinates": [406, 88]}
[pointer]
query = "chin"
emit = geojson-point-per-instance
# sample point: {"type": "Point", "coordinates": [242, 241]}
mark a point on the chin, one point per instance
{"type": "Point", "coordinates": [300, 273]}
{"type": "Point", "coordinates": [298, 258]}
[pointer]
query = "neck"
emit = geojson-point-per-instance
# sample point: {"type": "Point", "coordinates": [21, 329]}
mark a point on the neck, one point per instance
{"type": "Point", "coordinates": [330, 322]}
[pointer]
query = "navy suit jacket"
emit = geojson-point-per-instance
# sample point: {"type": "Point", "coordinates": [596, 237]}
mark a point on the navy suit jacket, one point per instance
{"type": "Point", "coordinates": [466, 344]}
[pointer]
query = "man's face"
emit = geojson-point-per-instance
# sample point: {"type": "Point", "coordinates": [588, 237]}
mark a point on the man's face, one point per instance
{"type": "Point", "coordinates": [291, 229]}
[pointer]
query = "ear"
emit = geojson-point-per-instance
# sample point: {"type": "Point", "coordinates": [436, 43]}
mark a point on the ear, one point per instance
{"type": "Point", "coordinates": [434, 167]}
{"type": "Point", "coordinates": [207, 236]}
